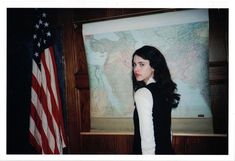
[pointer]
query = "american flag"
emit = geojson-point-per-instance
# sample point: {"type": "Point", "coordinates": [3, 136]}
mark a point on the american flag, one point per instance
{"type": "Point", "coordinates": [46, 129]}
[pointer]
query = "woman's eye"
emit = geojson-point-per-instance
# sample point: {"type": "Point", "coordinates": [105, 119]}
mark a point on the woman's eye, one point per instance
{"type": "Point", "coordinates": [142, 64]}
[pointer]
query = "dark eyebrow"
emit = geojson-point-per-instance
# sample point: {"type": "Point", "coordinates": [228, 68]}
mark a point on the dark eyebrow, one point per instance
{"type": "Point", "coordinates": [139, 62]}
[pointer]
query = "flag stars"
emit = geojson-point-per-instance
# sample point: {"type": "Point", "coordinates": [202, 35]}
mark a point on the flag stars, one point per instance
{"type": "Point", "coordinates": [38, 44]}
{"type": "Point", "coordinates": [40, 22]}
{"type": "Point", "coordinates": [36, 54]}
{"type": "Point", "coordinates": [42, 35]}
{"type": "Point", "coordinates": [44, 15]}
{"type": "Point", "coordinates": [48, 34]}
{"type": "Point", "coordinates": [37, 26]}
{"type": "Point", "coordinates": [46, 24]}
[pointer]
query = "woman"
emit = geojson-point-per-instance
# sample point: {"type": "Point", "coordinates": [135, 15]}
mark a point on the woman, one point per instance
{"type": "Point", "coordinates": [154, 96]}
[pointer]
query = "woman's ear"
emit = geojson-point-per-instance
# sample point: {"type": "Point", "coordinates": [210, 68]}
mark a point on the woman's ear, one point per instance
{"type": "Point", "coordinates": [153, 70]}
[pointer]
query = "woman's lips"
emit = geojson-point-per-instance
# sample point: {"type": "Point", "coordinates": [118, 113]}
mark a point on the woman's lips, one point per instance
{"type": "Point", "coordinates": [137, 75]}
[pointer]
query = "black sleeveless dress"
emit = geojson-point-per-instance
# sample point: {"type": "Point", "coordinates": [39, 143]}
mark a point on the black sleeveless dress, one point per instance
{"type": "Point", "coordinates": [161, 115]}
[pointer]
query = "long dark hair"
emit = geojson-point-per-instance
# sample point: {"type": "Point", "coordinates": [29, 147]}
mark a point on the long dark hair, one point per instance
{"type": "Point", "coordinates": [161, 73]}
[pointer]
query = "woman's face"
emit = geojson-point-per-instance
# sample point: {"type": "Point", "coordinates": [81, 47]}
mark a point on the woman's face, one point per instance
{"type": "Point", "coordinates": [142, 69]}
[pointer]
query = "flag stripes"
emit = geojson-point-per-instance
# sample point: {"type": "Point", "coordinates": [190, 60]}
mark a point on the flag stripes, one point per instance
{"type": "Point", "coordinates": [45, 109]}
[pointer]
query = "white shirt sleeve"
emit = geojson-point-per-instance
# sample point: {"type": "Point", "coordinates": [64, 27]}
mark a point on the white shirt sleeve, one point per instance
{"type": "Point", "coordinates": [144, 105]}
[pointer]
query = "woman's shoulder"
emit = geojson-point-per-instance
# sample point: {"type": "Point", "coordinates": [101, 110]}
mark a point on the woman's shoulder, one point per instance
{"type": "Point", "coordinates": [143, 96]}
{"type": "Point", "coordinates": [142, 92]}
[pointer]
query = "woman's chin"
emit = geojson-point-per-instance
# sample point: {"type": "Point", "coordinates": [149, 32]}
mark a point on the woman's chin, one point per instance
{"type": "Point", "coordinates": [139, 80]}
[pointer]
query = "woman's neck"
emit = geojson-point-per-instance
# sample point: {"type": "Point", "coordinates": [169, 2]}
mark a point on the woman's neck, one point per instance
{"type": "Point", "coordinates": [151, 80]}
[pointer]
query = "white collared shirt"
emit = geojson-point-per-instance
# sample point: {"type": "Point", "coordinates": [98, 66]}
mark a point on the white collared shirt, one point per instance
{"type": "Point", "coordinates": [144, 105]}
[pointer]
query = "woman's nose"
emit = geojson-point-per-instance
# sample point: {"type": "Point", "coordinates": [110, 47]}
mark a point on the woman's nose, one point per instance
{"type": "Point", "coordinates": [136, 69]}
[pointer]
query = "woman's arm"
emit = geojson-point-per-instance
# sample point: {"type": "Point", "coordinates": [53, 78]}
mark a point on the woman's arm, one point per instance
{"type": "Point", "coordinates": [144, 105]}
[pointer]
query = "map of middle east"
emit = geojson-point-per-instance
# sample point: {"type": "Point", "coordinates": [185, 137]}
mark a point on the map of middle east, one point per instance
{"type": "Point", "coordinates": [185, 47]}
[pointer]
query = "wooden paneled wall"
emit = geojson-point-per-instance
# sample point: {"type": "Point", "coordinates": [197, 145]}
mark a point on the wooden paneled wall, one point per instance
{"type": "Point", "coordinates": [113, 143]}
{"type": "Point", "coordinates": [218, 68]}
{"type": "Point", "coordinates": [77, 87]}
